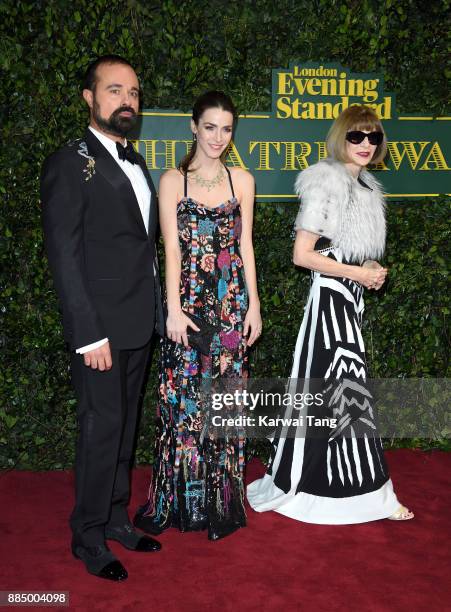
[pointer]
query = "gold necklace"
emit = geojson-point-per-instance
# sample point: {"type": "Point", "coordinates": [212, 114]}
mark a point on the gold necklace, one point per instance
{"type": "Point", "coordinates": [208, 184]}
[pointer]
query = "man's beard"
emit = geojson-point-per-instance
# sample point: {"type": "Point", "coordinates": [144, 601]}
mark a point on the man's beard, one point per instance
{"type": "Point", "coordinates": [115, 124]}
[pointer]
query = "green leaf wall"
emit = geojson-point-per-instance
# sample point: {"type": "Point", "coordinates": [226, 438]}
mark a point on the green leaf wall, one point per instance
{"type": "Point", "coordinates": [180, 49]}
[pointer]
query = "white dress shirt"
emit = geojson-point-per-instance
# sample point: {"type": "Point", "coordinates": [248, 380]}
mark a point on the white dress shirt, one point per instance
{"type": "Point", "coordinates": [142, 192]}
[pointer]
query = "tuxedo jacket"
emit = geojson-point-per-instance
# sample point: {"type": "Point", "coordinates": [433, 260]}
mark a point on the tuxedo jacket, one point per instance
{"type": "Point", "coordinates": [103, 262]}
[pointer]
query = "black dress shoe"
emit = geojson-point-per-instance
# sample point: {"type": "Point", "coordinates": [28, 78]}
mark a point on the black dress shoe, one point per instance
{"type": "Point", "coordinates": [131, 539]}
{"type": "Point", "coordinates": [100, 561]}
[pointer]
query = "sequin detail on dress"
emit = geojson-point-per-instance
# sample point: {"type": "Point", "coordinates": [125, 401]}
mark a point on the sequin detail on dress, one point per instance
{"type": "Point", "coordinates": [197, 481]}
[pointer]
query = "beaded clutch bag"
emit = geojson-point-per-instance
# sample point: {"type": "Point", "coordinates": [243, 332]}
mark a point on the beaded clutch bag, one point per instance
{"type": "Point", "coordinates": [202, 339]}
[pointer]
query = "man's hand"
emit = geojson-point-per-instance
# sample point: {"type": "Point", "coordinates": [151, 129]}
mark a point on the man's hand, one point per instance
{"type": "Point", "coordinates": [99, 358]}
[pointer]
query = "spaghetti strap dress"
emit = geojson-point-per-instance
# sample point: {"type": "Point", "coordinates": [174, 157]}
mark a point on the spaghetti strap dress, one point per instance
{"type": "Point", "coordinates": [197, 480]}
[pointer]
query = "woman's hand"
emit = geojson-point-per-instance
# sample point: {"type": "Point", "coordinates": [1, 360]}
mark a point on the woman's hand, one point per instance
{"type": "Point", "coordinates": [176, 327]}
{"type": "Point", "coordinates": [372, 275]}
{"type": "Point", "coordinates": [252, 324]}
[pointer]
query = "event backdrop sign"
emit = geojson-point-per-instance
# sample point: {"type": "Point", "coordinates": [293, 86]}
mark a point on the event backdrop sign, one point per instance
{"type": "Point", "coordinates": [306, 98]}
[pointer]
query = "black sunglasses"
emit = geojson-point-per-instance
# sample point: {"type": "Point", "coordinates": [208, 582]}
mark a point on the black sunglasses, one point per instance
{"type": "Point", "coordinates": [356, 137]}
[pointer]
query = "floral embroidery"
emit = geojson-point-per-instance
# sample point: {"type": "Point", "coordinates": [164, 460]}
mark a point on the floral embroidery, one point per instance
{"type": "Point", "coordinates": [198, 480]}
{"type": "Point", "coordinates": [90, 168]}
{"type": "Point", "coordinates": [224, 259]}
{"type": "Point", "coordinates": [190, 406]}
{"type": "Point", "coordinates": [185, 234]}
{"type": "Point", "coordinates": [208, 262]}
{"type": "Point", "coordinates": [206, 227]}
{"type": "Point", "coordinates": [230, 340]}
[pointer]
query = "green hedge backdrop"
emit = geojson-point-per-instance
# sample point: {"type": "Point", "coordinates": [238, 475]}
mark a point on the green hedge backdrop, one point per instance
{"type": "Point", "coordinates": [180, 49]}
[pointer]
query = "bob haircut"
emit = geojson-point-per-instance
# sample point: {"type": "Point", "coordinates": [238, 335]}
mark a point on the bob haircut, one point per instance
{"type": "Point", "coordinates": [356, 117]}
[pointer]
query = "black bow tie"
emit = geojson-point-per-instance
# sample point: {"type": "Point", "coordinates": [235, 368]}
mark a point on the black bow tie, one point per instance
{"type": "Point", "coordinates": [127, 153]}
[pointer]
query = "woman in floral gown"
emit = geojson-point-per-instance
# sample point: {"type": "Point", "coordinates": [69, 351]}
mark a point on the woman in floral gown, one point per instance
{"type": "Point", "coordinates": [206, 212]}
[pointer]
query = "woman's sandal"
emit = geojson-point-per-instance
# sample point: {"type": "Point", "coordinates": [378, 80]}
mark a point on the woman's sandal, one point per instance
{"type": "Point", "coordinates": [401, 514]}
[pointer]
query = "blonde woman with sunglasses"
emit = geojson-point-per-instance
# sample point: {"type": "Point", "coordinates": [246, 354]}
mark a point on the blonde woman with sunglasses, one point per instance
{"type": "Point", "coordinates": [330, 468]}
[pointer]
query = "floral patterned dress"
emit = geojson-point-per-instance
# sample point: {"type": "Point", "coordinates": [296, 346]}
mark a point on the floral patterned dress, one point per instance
{"type": "Point", "coordinates": [197, 479]}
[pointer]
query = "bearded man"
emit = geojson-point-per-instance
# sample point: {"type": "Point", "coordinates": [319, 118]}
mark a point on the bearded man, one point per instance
{"type": "Point", "coordinates": [100, 217]}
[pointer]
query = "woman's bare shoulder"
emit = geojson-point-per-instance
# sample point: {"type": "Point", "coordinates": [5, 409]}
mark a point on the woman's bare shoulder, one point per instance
{"type": "Point", "coordinates": [172, 178]}
{"type": "Point", "coordinates": [240, 176]}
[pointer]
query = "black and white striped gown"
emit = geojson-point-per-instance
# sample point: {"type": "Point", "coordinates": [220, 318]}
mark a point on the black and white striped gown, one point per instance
{"type": "Point", "coordinates": [340, 476]}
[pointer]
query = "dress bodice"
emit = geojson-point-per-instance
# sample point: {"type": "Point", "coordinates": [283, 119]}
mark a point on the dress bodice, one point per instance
{"type": "Point", "coordinates": [211, 265]}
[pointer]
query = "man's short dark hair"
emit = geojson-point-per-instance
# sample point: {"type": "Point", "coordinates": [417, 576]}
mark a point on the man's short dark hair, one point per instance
{"type": "Point", "coordinates": [90, 78]}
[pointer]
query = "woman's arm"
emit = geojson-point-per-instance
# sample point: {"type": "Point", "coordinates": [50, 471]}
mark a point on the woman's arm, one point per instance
{"type": "Point", "coordinates": [304, 255]}
{"type": "Point", "coordinates": [244, 182]}
{"type": "Point", "coordinates": [168, 198]}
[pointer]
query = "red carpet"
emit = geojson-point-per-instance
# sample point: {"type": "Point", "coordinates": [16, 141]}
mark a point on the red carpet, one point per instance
{"type": "Point", "coordinates": [274, 564]}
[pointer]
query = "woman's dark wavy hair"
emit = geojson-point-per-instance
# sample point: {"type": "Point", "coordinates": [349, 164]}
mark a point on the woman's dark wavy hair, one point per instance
{"type": "Point", "coordinates": [210, 99]}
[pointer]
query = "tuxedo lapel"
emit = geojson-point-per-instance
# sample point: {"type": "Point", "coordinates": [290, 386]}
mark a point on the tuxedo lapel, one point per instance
{"type": "Point", "coordinates": [153, 211]}
{"type": "Point", "coordinates": [110, 169]}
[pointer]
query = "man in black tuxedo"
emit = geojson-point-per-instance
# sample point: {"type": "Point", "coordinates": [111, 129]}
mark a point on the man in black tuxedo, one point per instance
{"type": "Point", "coordinates": [100, 218]}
